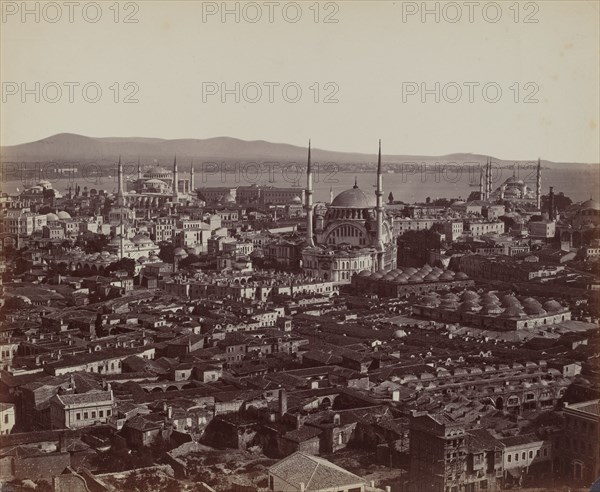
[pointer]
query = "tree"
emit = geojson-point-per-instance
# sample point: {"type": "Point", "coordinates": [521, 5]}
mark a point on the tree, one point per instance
{"type": "Point", "coordinates": [126, 264]}
{"type": "Point", "coordinates": [166, 252]}
{"type": "Point", "coordinates": [391, 197]}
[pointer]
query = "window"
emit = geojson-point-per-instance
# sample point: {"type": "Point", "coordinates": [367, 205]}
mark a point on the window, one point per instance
{"type": "Point", "coordinates": [523, 455]}
{"type": "Point", "coordinates": [516, 456]}
{"type": "Point", "coordinates": [537, 453]}
{"type": "Point", "coordinates": [6, 419]}
{"type": "Point", "coordinates": [545, 451]}
{"type": "Point", "coordinates": [93, 415]}
{"type": "Point", "coordinates": [78, 416]}
{"type": "Point", "coordinates": [100, 413]}
{"type": "Point", "coordinates": [85, 415]}
{"type": "Point", "coordinates": [509, 458]}
{"type": "Point", "coordinates": [530, 454]}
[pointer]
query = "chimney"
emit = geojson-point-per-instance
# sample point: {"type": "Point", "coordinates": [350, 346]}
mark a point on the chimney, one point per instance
{"type": "Point", "coordinates": [169, 412]}
{"type": "Point", "coordinates": [282, 402]}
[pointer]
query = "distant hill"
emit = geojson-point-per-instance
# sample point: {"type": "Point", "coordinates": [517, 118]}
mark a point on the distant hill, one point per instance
{"type": "Point", "coordinates": [68, 147]}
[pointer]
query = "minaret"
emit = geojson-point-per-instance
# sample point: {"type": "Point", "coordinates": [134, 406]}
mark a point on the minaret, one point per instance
{"type": "Point", "coordinates": [481, 183]}
{"type": "Point", "coordinates": [192, 185]}
{"type": "Point", "coordinates": [551, 210]}
{"type": "Point", "coordinates": [120, 195]}
{"type": "Point", "coordinates": [489, 185]}
{"type": "Point", "coordinates": [175, 179]}
{"type": "Point", "coordinates": [379, 197]}
{"type": "Point", "coordinates": [538, 185]}
{"type": "Point", "coordinates": [139, 170]}
{"type": "Point", "coordinates": [309, 204]}
{"type": "Point", "coordinates": [330, 195]}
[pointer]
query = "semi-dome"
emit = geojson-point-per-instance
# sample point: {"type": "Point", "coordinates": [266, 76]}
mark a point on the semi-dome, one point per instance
{"type": "Point", "coordinates": [296, 199]}
{"type": "Point", "coordinates": [354, 198]}
{"type": "Point", "coordinates": [63, 215]}
{"type": "Point", "coordinates": [50, 216]}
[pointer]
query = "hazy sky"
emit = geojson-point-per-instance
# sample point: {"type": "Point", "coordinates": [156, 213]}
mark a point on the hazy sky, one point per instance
{"type": "Point", "coordinates": [374, 61]}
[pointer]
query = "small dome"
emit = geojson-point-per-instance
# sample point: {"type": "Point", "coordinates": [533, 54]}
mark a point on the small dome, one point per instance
{"type": "Point", "coordinates": [491, 308]}
{"type": "Point", "coordinates": [64, 215]}
{"type": "Point", "coordinates": [461, 276]}
{"type": "Point", "coordinates": [410, 271]}
{"type": "Point", "coordinates": [429, 300]}
{"type": "Point", "coordinates": [510, 300]}
{"type": "Point", "coordinates": [553, 306]}
{"type": "Point", "coordinates": [296, 199]}
{"type": "Point", "coordinates": [50, 217]}
{"type": "Point", "coordinates": [469, 295]}
{"type": "Point", "coordinates": [364, 273]}
{"type": "Point", "coordinates": [446, 276]}
{"type": "Point", "coordinates": [400, 280]}
{"type": "Point", "coordinates": [430, 277]}
{"type": "Point", "coordinates": [399, 334]}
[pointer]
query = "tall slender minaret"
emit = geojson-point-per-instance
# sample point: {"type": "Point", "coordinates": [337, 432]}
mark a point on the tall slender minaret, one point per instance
{"type": "Point", "coordinates": [330, 195]}
{"type": "Point", "coordinates": [379, 198]}
{"type": "Point", "coordinates": [551, 207]}
{"type": "Point", "coordinates": [538, 185]}
{"type": "Point", "coordinates": [192, 185]}
{"type": "Point", "coordinates": [481, 197]}
{"type": "Point", "coordinates": [309, 202]}
{"type": "Point", "coordinates": [489, 185]}
{"type": "Point", "coordinates": [120, 195]}
{"type": "Point", "coordinates": [139, 169]}
{"type": "Point", "coordinates": [175, 179]}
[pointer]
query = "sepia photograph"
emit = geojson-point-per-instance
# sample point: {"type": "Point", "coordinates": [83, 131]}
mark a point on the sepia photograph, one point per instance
{"type": "Point", "coordinates": [300, 246]}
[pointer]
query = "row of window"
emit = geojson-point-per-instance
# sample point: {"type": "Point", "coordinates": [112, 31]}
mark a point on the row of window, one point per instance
{"type": "Point", "coordinates": [93, 414]}
{"type": "Point", "coordinates": [524, 455]}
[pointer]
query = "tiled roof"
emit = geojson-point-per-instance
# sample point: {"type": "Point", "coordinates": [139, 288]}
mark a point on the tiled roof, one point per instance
{"type": "Point", "coordinates": [314, 472]}
{"type": "Point", "coordinates": [91, 397]}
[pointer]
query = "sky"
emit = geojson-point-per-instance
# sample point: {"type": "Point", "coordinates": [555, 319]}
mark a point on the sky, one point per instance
{"type": "Point", "coordinates": [513, 79]}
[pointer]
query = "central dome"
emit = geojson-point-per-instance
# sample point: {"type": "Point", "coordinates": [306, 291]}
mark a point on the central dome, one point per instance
{"type": "Point", "coordinates": [354, 198]}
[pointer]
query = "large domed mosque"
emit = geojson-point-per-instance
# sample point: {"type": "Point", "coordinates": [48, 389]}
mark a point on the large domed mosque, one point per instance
{"type": "Point", "coordinates": [353, 234]}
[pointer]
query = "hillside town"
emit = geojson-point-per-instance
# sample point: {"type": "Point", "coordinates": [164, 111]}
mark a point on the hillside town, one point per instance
{"type": "Point", "coordinates": [247, 338]}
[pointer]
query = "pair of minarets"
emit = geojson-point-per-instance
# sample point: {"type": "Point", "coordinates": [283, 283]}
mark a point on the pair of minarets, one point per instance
{"type": "Point", "coordinates": [379, 205]}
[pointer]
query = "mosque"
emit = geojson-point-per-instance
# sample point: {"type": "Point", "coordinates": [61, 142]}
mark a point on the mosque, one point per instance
{"type": "Point", "coordinates": [351, 234]}
{"type": "Point", "coordinates": [151, 190]}
{"type": "Point", "coordinates": [512, 189]}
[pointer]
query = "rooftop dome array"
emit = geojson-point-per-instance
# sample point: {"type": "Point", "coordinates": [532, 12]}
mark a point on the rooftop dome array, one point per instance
{"type": "Point", "coordinates": [489, 303]}
{"type": "Point", "coordinates": [411, 275]}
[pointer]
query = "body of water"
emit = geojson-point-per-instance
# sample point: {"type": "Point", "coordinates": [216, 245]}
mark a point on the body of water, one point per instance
{"type": "Point", "coordinates": [414, 185]}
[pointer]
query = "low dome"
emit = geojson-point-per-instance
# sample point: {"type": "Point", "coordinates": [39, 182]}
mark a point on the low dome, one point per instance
{"type": "Point", "coordinates": [364, 273]}
{"type": "Point", "coordinates": [140, 238]}
{"type": "Point", "coordinates": [354, 198]}
{"type": "Point", "coordinates": [429, 300]}
{"type": "Point", "coordinates": [400, 280]}
{"type": "Point", "coordinates": [461, 276]}
{"type": "Point", "coordinates": [50, 216]}
{"type": "Point", "coordinates": [296, 199]}
{"type": "Point", "coordinates": [510, 300]}
{"type": "Point", "coordinates": [410, 270]}
{"type": "Point", "coordinates": [553, 306]}
{"type": "Point", "coordinates": [446, 276]}
{"type": "Point", "coordinates": [430, 277]}
{"type": "Point", "coordinates": [491, 308]}
{"type": "Point", "coordinates": [64, 215]}
{"type": "Point", "coordinates": [399, 334]}
{"type": "Point", "coordinates": [469, 295]}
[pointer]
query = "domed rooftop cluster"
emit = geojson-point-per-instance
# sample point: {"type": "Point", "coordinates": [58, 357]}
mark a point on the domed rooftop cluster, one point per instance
{"type": "Point", "coordinates": [411, 275]}
{"type": "Point", "coordinates": [489, 303]}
